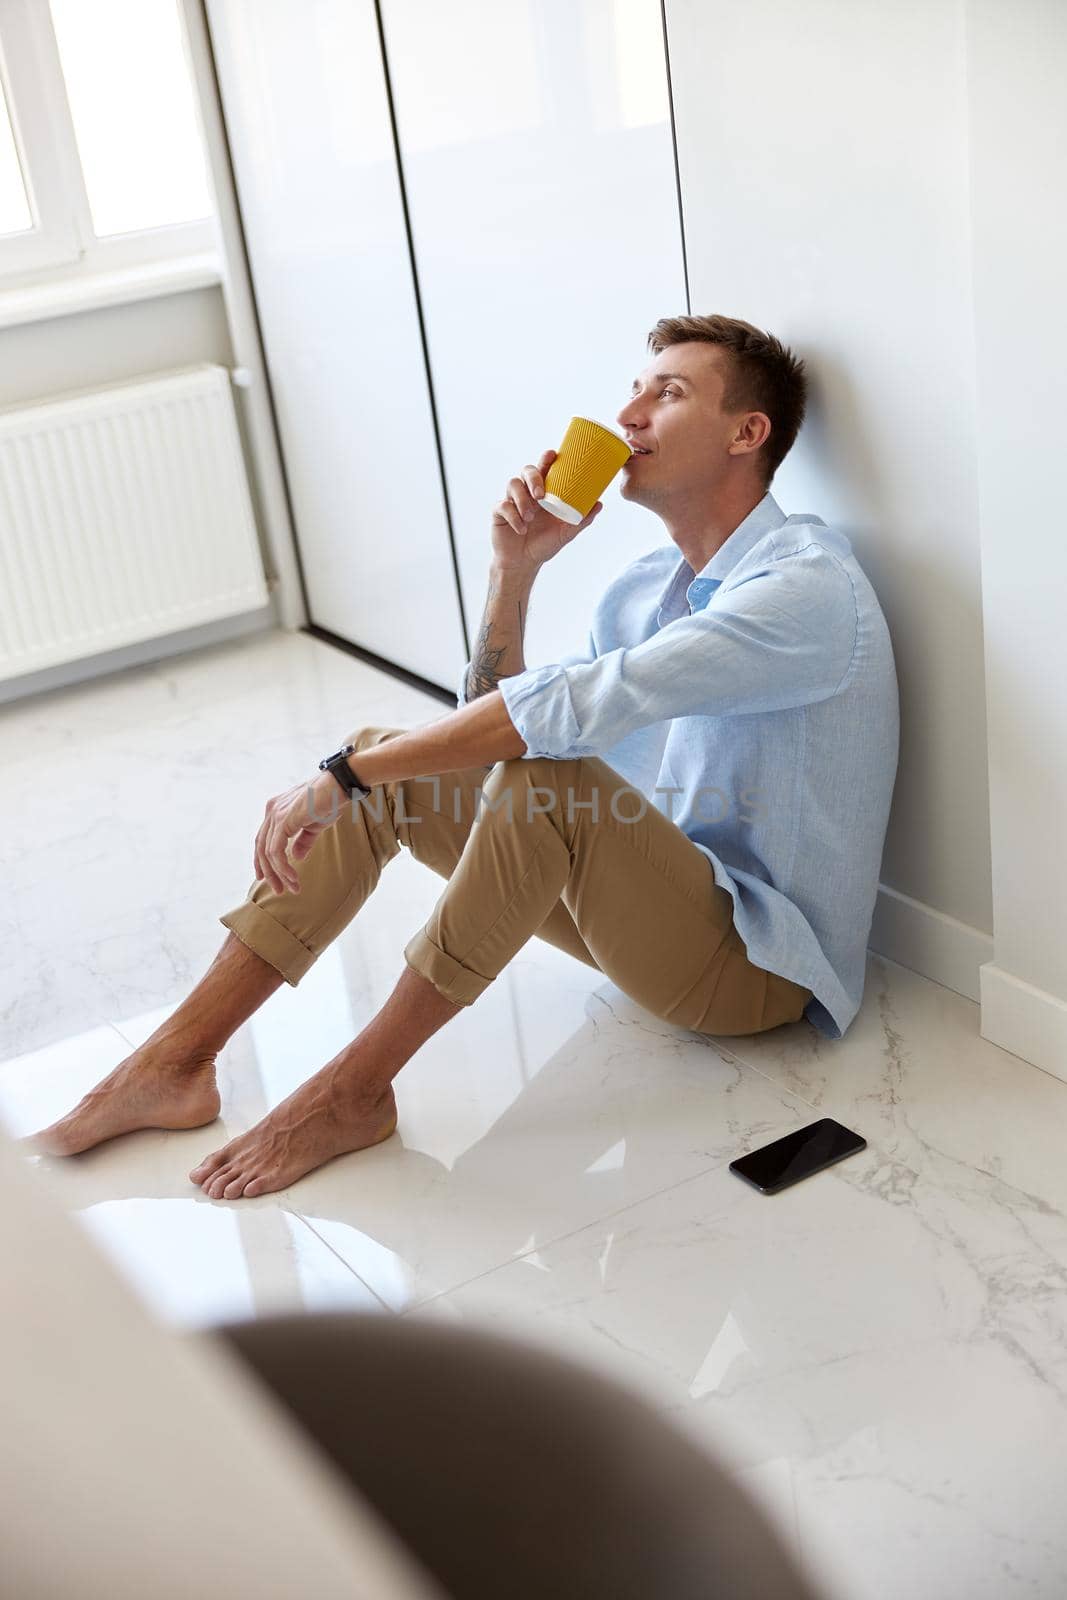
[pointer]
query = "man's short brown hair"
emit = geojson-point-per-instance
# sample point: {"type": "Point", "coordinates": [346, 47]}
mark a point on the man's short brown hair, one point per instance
{"type": "Point", "coordinates": [766, 375]}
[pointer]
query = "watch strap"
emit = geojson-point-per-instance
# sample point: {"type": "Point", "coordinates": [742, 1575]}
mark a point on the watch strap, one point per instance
{"type": "Point", "coordinates": [338, 765]}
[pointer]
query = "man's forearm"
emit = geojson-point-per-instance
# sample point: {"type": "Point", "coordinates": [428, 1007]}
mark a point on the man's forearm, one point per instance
{"type": "Point", "coordinates": [477, 735]}
{"type": "Point", "coordinates": [498, 649]}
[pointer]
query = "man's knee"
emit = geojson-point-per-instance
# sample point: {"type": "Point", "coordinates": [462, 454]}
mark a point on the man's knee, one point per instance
{"type": "Point", "coordinates": [529, 787]}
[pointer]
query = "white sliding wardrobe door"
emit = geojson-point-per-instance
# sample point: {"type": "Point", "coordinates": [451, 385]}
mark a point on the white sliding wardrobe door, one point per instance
{"type": "Point", "coordinates": [539, 170]}
{"type": "Point", "coordinates": [304, 97]}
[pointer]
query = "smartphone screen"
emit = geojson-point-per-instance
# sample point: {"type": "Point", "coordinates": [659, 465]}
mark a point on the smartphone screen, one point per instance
{"type": "Point", "coordinates": [798, 1155]}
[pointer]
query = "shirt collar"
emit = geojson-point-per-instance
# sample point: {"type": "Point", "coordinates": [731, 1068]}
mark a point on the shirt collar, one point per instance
{"type": "Point", "coordinates": [761, 520]}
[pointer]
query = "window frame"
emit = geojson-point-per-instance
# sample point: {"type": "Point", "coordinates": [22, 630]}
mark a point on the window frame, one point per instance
{"type": "Point", "coordinates": [62, 246]}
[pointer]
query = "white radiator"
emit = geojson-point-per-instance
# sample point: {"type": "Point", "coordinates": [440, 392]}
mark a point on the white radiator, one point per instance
{"type": "Point", "coordinates": [124, 515]}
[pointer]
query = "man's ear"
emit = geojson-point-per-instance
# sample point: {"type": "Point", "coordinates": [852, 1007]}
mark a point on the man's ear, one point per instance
{"type": "Point", "coordinates": [753, 430]}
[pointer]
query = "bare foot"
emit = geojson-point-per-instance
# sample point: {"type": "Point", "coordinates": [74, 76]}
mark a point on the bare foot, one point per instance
{"type": "Point", "coordinates": [155, 1087]}
{"type": "Point", "coordinates": [328, 1116]}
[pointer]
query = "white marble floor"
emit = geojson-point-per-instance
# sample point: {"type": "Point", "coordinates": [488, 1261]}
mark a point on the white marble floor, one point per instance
{"type": "Point", "coordinates": [879, 1352]}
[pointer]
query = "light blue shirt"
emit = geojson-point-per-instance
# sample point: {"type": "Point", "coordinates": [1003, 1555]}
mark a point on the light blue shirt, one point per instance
{"type": "Point", "coordinates": [755, 702]}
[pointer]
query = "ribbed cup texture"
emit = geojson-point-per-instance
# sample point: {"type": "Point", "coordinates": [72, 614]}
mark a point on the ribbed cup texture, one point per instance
{"type": "Point", "coordinates": [588, 459]}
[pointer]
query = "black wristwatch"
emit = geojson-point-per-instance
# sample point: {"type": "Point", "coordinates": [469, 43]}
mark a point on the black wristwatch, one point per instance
{"type": "Point", "coordinates": [338, 765]}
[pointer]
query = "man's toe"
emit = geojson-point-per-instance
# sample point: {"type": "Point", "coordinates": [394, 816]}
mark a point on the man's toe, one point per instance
{"type": "Point", "coordinates": [215, 1182]}
{"type": "Point", "coordinates": [211, 1163]}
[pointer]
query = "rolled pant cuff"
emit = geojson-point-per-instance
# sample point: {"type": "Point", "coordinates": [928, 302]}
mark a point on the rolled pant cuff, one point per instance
{"type": "Point", "coordinates": [455, 982]}
{"type": "Point", "coordinates": [269, 940]}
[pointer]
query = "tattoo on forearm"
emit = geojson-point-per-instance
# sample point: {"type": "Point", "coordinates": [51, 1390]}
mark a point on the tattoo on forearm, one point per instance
{"type": "Point", "coordinates": [484, 672]}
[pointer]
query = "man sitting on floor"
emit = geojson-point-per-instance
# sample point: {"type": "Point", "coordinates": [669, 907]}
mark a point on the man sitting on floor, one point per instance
{"type": "Point", "coordinates": [745, 670]}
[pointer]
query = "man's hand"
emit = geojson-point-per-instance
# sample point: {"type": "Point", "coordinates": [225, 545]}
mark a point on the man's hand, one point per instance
{"type": "Point", "coordinates": [476, 735]}
{"type": "Point", "coordinates": [291, 824]}
{"type": "Point", "coordinates": [524, 535]}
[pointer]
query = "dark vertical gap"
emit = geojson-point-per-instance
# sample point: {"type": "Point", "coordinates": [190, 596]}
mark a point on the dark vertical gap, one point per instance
{"type": "Point", "coordinates": [422, 324]}
{"type": "Point", "coordinates": [271, 407]}
{"type": "Point", "coordinates": [674, 141]}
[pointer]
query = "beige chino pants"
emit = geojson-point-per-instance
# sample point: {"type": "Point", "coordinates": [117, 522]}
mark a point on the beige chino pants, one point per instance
{"type": "Point", "coordinates": [559, 849]}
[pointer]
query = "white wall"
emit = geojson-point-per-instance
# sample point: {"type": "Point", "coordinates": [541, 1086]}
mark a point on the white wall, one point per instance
{"type": "Point", "coordinates": [824, 166]}
{"type": "Point", "coordinates": [539, 172]}
{"type": "Point", "coordinates": [307, 114]}
{"type": "Point", "coordinates": [84, 349]}
{"type": "Point", "coordinates": [1017, 63]}
{"type": "Point", "coordinates": [536, 285]}
{"type": "Point", "coordinates": [882, 186]}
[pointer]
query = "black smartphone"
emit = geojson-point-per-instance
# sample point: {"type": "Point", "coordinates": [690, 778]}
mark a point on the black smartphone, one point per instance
{"type": "Point", "coordinates": [798, 1155]}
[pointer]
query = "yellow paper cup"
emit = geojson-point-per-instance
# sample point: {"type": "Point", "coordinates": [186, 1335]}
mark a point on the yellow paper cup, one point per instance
{"type": "Point", "coordinates": [588, 459]}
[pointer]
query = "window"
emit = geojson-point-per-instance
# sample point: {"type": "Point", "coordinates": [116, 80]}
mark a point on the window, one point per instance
{"type": "Point", "coordinates": [101, 157]}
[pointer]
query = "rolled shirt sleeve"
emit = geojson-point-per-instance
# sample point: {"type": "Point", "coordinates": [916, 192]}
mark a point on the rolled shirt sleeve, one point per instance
{"type": "Point", "coordinates": [581, 657]}
{"type": "Point", "coordinates": [784, 637]}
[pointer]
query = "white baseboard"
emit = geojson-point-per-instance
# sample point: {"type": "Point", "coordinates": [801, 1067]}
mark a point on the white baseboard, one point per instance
{"type": "Point", "coordinates": [1015, 1015]}
{"type": "Point", "coordinates": [1028, 1021]}
{"type": "Point", "coordinates": [916, 936]}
